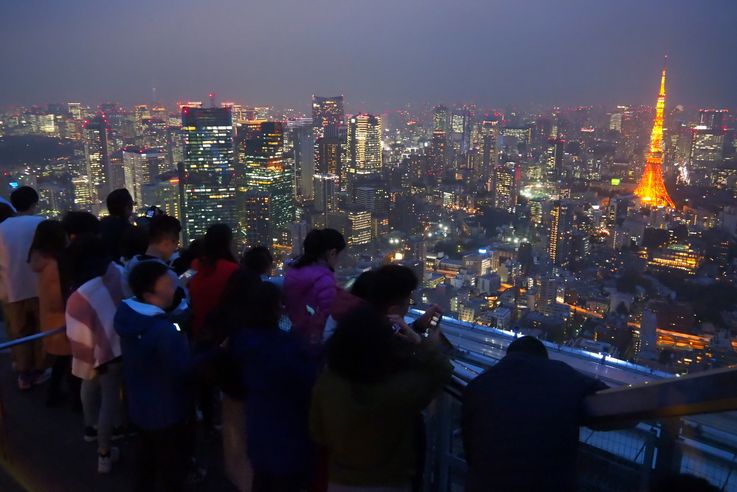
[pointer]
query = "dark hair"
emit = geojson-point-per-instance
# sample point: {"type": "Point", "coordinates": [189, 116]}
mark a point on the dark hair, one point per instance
{"type": "Point", "coordinates": [391, 285]}
{"type": "Point", "coordinates": [144, 275]}
{"type": "Point", "coordinates": [79, 222]}
{"type": "Point", "coordinates": [187, 256]}
{"type": "Point", "coordinates": [163, 227]}
{"type": "Point", "coordinates": [23, 198]}
{"type": "Point", "coordinates": [363, 347]}
{"type": "Point", "coordinates": [264, 306]}
{"type": "Point", "coordinates": [134, 241]}
{"type": "Point", "coordinates": [528, 345]}
{"type": "Point", "coordinates": [232, 311]}
{"type": "Point", "coordinates": [118, 201]}
{"type": "Point", "coordinates": [50, 239]}
{"type": "Point", "coordinates": [6, 211]}
{"type": "Point", "coordinates": [87, 258]}
{"type": "Point", "coordinates": [217, 242]}
{"type": "Point", "coordinates": [363, 284]}
{"type": "Point", "coordinates": [258, 259]}
{"type": "Point", "coordinates": [317, 243]}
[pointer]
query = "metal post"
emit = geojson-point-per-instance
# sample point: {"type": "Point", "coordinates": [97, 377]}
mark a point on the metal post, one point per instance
{"type": "Point", "coordinates": [669, 451]}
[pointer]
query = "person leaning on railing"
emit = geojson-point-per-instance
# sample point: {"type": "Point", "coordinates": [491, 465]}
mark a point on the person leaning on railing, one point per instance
{"type": "Point", "coordinates": [48, 258]}
{"type": "Point", "coordinates": [19, 288]}
{"type": "Point", "coordinates": [380, 375]}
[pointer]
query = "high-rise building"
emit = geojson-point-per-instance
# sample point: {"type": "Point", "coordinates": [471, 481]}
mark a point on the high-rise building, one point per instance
{"type": "Point", "coordinates": [651, 188]}
{"type": "Point", "coordinates": [266, 169]}
{"type": "Point", "coordinates": [505, 187]}
{"type": "Point", "coordinates": [360, 227]}
{"type": "Point", "coordinates": [437, 154]}
{"type": "Point", "coordinates": [209, 183]}
{"type": "Point", "coordinates": [142, 167]}
{"type": "Point", "coordinates": [441, 119]}
{"type": "Point", "coordinates": [163, 192]}
{"type": "Point", "coordinates": [75, 110]}
{"type": "Point", "coordinates": [82, 197]}
{"type": "Point", "coordinates": [256, 225]}
{"type": "Point", "coordinates": [707, 152]}
{"type": "Point", "coordinates": [302, 142]}
{"type": "Point", "coordinates": [713, 119]}
{"type": "Point", "coordinates": [364, 144]}
{"type": "Point", "coordinates": [554, 159]}
{"type": "Point", "coordinates": [489, 155]}
{"type": "Point", "coordinates": [325, 187]}
{"type": "Point", "coordinates": [96, 134]}
{"type": "Point", "coordinates": [327, 112]}
{"type": "Point", "coordinates": [561, 223]}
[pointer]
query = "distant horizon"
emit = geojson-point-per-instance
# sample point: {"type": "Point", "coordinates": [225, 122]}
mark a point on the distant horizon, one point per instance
{"type": "Point", "coordinates": [380, 55]}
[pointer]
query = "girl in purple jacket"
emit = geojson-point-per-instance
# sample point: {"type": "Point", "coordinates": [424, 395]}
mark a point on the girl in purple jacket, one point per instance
{"type": "Point", "coordinates": [309, 284]}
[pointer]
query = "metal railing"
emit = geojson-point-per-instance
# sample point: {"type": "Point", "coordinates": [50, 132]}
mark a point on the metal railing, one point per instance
{"type": "Point", "coordinates": [665, 427]}
{"type": "Point", "coordinates": [30, 338]}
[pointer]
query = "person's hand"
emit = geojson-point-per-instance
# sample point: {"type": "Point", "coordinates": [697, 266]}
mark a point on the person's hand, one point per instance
{"type": "Point", "coordinates": [405, 332]}
{"type": "Point", "coordinates": [423, 322]}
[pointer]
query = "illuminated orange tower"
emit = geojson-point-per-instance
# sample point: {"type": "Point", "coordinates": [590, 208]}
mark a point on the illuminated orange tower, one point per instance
{"type": "Point", "coordinates": [651, 188]}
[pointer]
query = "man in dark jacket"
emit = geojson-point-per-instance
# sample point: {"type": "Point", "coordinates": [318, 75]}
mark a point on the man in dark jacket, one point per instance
{"type": "Point", "coordinates": [116, 226]}
{"type": "Point", "coordinates": [521, 422]}
{"type": "Point", "coordinates": [158, 372]}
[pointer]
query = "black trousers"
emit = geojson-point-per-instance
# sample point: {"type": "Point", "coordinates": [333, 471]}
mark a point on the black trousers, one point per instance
{"type": "Point", "coordinates": [162, 458]}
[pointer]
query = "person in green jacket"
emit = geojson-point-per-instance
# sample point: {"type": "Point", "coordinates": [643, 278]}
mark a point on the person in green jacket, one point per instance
{"type": "Point", "coordinates": [380, 375]}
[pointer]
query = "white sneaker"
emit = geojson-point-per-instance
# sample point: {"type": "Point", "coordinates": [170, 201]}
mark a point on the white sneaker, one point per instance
{"type": "Point", "coordinates": [105, 463]}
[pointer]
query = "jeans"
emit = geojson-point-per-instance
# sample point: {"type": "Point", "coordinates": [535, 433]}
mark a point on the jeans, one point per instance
{"type": "Point", "coordinates": [101, 404]}
{"type": "Point", "coordinates": [163, 457]}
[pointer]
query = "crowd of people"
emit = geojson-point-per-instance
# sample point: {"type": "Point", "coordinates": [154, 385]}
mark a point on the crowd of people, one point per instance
{"type": "Point", "coordinates": [319, 388]}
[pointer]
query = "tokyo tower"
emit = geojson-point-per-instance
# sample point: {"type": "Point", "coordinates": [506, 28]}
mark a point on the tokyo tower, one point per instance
{"type": "Point", "coordinates": [651, 188]}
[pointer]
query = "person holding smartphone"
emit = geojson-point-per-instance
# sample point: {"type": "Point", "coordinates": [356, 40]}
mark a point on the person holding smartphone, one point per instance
{"type": "Point", "coordinates": [381, 374]}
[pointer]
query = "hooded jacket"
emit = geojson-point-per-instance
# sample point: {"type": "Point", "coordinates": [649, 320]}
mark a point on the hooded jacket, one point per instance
{"type": "Point", "coordinates": [158, 366]}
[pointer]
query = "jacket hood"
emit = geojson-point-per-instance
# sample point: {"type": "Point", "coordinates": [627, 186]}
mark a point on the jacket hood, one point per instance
{"type": "Point", "coordinates": [307, 275]}
{"type": "Point", "coordinates": [135, 317]}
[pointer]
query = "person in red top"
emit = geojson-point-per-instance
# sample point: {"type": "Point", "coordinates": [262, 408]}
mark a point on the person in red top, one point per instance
{"type": "Point", "coordinates": [213, 269]}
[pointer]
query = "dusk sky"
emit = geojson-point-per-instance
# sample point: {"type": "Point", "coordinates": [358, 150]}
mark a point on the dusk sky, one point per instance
{"type": "Point", "coordinates": [378, 53]}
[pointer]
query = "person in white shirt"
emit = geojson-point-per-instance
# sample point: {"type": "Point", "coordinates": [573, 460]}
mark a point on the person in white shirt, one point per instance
{"type": "Point", "coordinates": [18, 286]}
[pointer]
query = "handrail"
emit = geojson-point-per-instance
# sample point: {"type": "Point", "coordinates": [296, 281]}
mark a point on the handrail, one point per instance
{"type": "Point", "coordinates": [31, 338]}
{"type": "Point", "coordinates": [704, 392]}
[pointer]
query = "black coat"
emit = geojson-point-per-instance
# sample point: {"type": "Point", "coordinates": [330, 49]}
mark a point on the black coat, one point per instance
{"type": "Point", "coordinates": [521, 423]}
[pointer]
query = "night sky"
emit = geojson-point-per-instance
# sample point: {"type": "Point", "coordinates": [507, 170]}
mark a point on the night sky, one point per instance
{"type": "Point", "coordinates": [378, 53]}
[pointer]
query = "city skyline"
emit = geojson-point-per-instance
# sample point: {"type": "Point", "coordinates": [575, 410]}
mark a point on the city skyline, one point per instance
{"type": "Point", "coordinates": [533, 53]}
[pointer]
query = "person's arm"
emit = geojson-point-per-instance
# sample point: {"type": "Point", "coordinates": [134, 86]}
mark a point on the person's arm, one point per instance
{"type": "Point", "coordinates": [325, 291]}
{"type": "Point", "coordinates": [173, 349]}
{"type": "Point", "coordinates": [430, 369]}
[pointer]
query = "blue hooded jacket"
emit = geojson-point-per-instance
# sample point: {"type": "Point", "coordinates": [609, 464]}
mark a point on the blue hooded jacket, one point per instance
{"type": "Point", "coordinates": [157, 364]}
{"type": "Point", "coordinates": [277, 377]}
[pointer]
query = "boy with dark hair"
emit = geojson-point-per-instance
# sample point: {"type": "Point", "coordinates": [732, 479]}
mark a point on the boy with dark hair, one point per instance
{"type": "Point", "coordinates": [19, 286]}
{"type": "Point", "coordinates": [158, 376]}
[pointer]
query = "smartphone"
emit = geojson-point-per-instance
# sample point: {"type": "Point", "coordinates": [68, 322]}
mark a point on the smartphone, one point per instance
{"type": "Point", "coordinates": [396, 328]}
{"type": "Point", "coordinates": [435, 320]}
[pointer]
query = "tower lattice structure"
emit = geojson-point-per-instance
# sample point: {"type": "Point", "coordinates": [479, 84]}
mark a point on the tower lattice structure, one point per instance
{"type": "Point", "coordinates": [651, 188]}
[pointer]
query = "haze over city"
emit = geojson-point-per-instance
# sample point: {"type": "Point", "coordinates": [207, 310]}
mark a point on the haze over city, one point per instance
{"type": "Point", "coordinates": [380, 54]}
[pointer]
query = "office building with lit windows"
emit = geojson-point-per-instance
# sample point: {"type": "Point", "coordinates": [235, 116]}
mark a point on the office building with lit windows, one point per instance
{"type": "Point", "coordinates": [364, 144]}
{"type": "Point", "coordinates": [96, 134]}
{"type": "Point", "coordinates": [266, 169]}
{"type": "Point", "coordinates": [327, 112]}
{"type": "Point", "coordinates": [209, 184]}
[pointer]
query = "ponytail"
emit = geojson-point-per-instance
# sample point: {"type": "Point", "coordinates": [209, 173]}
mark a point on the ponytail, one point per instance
{"type": "Point", "coordinates": [317, 243]}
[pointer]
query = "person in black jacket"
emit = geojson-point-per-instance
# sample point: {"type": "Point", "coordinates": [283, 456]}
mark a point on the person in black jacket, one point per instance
{"type": "Point", "coordinates": [521, 419]}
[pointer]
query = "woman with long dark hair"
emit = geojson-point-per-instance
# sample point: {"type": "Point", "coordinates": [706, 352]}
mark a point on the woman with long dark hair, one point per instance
{"type": "Point", "coordinates": [214, 267]}
{"type": "Point", "coordinates": [380, 375]}
{"type": "Point", "coordinates": [47, 257]}
{"type": "Point", "coordinates": [276, 378]}
{"type": "Point", "coordinates": [309, 283]}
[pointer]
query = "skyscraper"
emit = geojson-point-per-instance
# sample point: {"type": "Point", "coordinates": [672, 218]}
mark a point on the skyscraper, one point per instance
{"type": "Point", "coordinates": [267, 170]}
{"type": "Point", "coordinates": [327, 112]}
{"type": "Point", "coordinates": [209, 183]}
{"type": "Point", "coordinates": [364, 144]}
{"type": "Point", "coordinates": [506, 185]}
{"type": "Point", "coordinates": [302, 140]}
{"type": "Point", "coordinates": [256, 225]}
{"type": "Point", "coordinates": [96, 134]}
{"type": "Point", "coordinates": [142, 167]}
{"type": "Point", "coordinates": [561, 222]}
{"type": "Point", "coordinates": [651, 188]}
